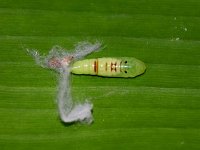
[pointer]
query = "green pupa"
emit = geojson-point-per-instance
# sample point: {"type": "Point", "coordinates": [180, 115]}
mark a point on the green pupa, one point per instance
{"type": "Point", "coordinates": [109, 67]}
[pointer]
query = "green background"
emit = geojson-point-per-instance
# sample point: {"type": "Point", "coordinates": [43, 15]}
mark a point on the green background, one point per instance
{"type": "Point", "coordinates": [158, 110]}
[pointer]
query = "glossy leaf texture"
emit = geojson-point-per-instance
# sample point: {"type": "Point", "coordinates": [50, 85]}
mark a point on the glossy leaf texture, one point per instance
{"type": "Point", "coordinates": [158, 110]}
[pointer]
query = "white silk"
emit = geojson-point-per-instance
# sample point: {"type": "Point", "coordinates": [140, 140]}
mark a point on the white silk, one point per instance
{"type": "Point", "coordinates": [68, 110]}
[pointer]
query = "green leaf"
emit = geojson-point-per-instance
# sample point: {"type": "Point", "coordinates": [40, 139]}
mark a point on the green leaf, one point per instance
{"type": "Point", "coordinates": [158, 110]}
